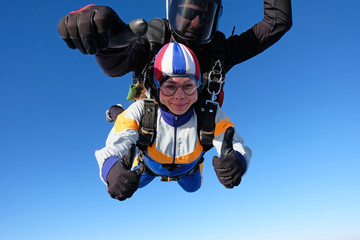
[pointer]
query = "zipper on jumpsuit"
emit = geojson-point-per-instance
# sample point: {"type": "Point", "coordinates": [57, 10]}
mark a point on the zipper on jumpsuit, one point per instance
{"type": "Point", "coordinates": [169, 178]}
{"type": "Point", "coordinates": [175, 135]}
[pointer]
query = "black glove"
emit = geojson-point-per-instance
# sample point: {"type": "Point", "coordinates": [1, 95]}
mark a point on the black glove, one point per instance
{"type": "Point", "coordinates": [94, 28]}
{"type": "Point", "coordinates": [114, 112]}
{"type": "Point", "coordinates": [231, 165]}
{"type": "Point", "coordinates": [122, 182]}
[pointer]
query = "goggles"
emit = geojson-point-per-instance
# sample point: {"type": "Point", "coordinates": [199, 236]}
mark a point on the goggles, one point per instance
{"type": "Point", "coordinates": [169, 88]}
{"type": "Point", "coordinates": [190, 14]}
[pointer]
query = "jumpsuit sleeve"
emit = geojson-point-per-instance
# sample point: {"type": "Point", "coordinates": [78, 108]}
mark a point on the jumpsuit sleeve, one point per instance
{"type": "Point", "coordinates": [124, 133]}
{"type": "Point", "coordinates": [222, 123]}
{"type": "Point", "coordinates": [276, 22]}
{"type": "Point", "coordinates": [117, 62]}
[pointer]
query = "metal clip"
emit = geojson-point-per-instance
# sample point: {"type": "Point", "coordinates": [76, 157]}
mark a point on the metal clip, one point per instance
{"type": "Point", "coordinates": [216, 76]}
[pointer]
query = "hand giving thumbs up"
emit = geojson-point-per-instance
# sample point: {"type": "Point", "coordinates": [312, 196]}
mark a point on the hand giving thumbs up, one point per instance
{"type": "Point", "coordinates": [231, 165]}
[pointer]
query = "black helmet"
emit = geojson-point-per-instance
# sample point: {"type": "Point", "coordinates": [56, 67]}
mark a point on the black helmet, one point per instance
{"type": "Point", "coordinates": [193, 21]}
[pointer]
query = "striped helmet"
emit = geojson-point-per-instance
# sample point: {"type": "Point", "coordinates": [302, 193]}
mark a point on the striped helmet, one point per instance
{"type": "Point", "coordinates": [175, 59]}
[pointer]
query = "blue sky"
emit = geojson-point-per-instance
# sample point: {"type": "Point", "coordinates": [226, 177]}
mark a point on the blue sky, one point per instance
{"type": "Point", "coordinates": [297, 105]}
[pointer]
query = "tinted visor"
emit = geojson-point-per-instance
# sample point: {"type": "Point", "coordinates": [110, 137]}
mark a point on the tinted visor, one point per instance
{"type": "Point", "coordinates": [192, 19]}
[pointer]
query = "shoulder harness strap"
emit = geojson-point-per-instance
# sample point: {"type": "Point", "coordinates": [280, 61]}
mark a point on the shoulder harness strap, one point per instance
{"type": "Point", "coordinates": [214, 82]}
{"type": "Point", "coordinates": [147, 130]}
{"type": "Point", "coordinates": [206, 113]}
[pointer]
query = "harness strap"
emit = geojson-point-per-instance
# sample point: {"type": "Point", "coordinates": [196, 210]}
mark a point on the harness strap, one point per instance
{"type": "Point", "coordinates": [147, 130]}
{"type": "Point", "coordinates": [147, 170]}
{"type": "Point", "coordinates": [177, 178]}
{"type": "Point", "coordinates": [206, 114]}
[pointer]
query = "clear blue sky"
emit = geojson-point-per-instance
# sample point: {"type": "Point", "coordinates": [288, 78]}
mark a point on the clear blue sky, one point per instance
{"type": "Point", "coordinates": [297, 105]}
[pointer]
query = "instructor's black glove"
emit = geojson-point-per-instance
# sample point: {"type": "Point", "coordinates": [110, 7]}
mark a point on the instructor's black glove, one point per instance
{"type": "Point", "coordinates": [114, 112]}
{"type": "Point", "coordinates": [122, 182]}
{"type": "Point", "coordinates": [231, 165]}
{"type": "Point", "coordinates": [93, 28]}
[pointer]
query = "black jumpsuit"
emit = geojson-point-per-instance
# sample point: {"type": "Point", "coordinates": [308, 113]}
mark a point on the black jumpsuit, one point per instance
{"type": "Point", "coordinates": [238, 48]}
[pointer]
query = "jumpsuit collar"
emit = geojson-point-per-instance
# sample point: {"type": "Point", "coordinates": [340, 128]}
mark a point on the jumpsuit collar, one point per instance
{"type": "Point", "coordinates": [176, 120]}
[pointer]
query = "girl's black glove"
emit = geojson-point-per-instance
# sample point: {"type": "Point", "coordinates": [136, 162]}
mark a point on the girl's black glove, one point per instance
{"type": "Point", "coordinates": [122, 182]}
{"type": "Point", "coordinates": [231, 165]}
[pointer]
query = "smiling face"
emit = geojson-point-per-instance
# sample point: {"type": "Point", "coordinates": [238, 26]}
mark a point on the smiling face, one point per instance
{"type": "Point", "coordinates": [184, 97]}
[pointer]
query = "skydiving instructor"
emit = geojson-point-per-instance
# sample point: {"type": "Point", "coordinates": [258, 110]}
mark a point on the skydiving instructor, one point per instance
{"type": "Point", "coordinates": [120, 48]}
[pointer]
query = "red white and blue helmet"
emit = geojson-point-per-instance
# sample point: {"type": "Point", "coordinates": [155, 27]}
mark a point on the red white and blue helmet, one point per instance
{"type": "Point", "coordinates": [175, 59]}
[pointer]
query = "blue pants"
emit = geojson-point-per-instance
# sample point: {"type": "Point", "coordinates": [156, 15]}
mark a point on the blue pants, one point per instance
{"type": "Point", "coordinates": [189, 183]}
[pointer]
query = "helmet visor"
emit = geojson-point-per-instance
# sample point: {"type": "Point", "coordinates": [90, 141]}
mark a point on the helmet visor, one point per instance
{"type": "Point", "coordinates": [192, 19]}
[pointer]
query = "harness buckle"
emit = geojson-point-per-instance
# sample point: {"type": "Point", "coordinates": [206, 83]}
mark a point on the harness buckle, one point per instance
{"type": "Point", "coordinates": [169, 179]}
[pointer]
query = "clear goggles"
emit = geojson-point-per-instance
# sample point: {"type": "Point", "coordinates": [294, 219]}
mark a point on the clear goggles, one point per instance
{"type": "Point", "coordinates": [188, 86]}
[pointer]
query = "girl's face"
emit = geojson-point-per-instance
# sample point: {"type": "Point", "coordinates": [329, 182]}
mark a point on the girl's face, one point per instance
{"type": "Point", "coordinates": [178, 94]}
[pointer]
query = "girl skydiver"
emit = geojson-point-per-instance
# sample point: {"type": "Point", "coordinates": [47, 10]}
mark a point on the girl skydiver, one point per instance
{"type": "Point", "coordinates": [176, 152]}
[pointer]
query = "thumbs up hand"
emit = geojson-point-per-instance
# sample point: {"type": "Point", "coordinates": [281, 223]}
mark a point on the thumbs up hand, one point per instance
{"type": "Point", "coordinates": [122, 182]}
{"type": "Point", "coordinates": [231, 165]}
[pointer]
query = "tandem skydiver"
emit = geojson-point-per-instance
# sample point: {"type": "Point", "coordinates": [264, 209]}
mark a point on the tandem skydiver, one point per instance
{"type": "Point", "coordinates": [176, 152]}
{"type": "Point", "coordinates": [121, 48]}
